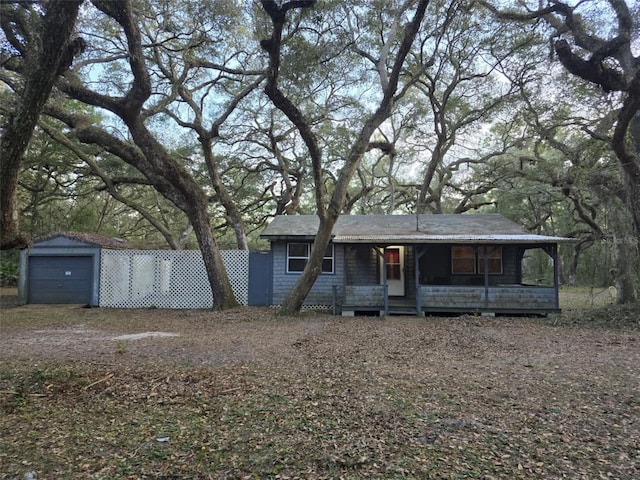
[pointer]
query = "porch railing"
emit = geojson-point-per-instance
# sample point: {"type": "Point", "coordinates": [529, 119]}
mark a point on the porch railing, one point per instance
{"type": "Point", "coordinates": [498, 298]}
{"type": "Point", "coordinates": [365, 295]}
{"type": "Point", "coordinates": [454, 298]}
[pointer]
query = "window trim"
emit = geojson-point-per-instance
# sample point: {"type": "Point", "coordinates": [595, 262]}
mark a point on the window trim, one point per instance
{"type": "Point", "coordinates": [305, 258]}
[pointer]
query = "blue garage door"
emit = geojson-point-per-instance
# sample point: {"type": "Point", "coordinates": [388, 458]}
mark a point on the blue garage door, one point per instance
{"type": "Point", "coordinates": [60, 279]}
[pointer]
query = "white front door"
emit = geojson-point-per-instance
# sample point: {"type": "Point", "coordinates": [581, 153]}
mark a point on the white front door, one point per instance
{"type": "Point", "coordinates": [394, 260]}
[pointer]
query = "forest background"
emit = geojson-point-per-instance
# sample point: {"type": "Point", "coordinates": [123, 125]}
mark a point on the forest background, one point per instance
{"type": "Point", "coordinates": [191, 124]}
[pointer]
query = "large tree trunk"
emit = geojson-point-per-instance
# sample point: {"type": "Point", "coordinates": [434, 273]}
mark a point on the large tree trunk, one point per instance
{"type": "Point", "coordinates": [223, 297]}
{"type": "Point", "coordinates": [633, 194]}
{"type": "Point", "coordinates": [578, 248]}
{"type": "Point", "coordinates": [193, 201]}
{"type": "Point", "coordinates": [625, 252]}
{"type": "Point", "coordinates": [41, 69]}
{"type": "Point", "coordinates": [624, 275]}
{"type": "Point", "coordinates": [329, 213]}
{"type": "Point", "coordinates": [628, 151]}
{"type": "Point", "coordinates": [10, 236]}
{"type": "Point", "coordinates": [149, 156]}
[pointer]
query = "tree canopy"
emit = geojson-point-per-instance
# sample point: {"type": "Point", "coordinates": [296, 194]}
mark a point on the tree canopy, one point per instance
{"type": "Point", "coordinates": [203, 122]}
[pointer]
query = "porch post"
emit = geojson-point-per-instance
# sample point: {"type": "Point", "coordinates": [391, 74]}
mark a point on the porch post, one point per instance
{"type": "Point", "coordinates": [485, 261]}
{"type": "Point", "coordinates": [384, 282]}
{"type": "Point", "coordinates": [345, 281]}
{"type": "Point", "coordinates": [556, 274]}
{"type": "Point", "coordinates": [385, 287]}
{"type": "Point", "coordinates": [417, 253]}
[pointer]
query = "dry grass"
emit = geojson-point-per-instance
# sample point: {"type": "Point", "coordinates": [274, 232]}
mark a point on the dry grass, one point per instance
{"type": "Point", "coordinates": [246, 394]}
{"type": "Point", "coordinates": [572, 298]}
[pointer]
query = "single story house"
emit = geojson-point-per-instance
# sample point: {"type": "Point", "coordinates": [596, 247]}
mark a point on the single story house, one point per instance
{"type": "Point", "coordinates": [415, 264]}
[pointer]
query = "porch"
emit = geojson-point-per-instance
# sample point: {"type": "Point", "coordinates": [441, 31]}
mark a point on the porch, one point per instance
{"type": "Point", "coordinates": [421, 279]}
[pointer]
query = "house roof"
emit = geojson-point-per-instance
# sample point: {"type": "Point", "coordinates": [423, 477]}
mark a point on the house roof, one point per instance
{"type": "Point", "coordinates": [390, 229]}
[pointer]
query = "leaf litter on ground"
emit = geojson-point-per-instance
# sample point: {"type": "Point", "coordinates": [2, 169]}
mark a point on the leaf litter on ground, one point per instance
{"type": "Point", "coordinates": [248, 394]}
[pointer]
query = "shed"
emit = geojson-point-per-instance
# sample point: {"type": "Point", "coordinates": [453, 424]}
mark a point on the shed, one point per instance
{"type": "Point", "coordinates": [63, 268]}
{"type": "Point", "coordinates": [416, 264]}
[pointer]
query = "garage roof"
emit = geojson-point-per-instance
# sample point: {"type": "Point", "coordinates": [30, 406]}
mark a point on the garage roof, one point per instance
{"type": "Point", "coordinates": [95, 239]}
{"type": "Point", "coordinates": [389, 229]}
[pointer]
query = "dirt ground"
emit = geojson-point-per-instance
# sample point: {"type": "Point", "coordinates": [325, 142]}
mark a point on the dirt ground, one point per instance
{"type": "Point", "coordinates": [258, 335]}
{"type": "Point", "coordinates": [329, 397]}
{"type": "Point", "coordinates": [246, 334]}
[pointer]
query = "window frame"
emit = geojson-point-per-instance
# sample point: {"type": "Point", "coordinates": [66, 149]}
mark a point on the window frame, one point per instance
{"type": "Point", "coordinates": [305, 258]}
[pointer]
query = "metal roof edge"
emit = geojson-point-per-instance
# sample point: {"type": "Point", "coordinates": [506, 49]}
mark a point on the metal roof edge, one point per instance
{"type": "Point", "coordinates": [521, 239]}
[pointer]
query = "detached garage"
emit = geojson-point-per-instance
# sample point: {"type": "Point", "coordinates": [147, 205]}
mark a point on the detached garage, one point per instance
{"type": "Point", "coordinates": [63, 268]}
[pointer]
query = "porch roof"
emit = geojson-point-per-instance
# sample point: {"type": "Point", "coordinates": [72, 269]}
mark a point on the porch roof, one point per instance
{"type": "Point", "coordinates": [394, 229]}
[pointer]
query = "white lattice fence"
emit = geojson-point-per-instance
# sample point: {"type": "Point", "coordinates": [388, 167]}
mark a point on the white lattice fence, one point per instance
{"type": "Point", "coordinates": [166, 278]}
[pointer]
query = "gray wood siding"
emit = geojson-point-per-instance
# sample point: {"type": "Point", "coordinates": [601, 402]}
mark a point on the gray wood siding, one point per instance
{"type": "Point", "coordinates": [361, 265]}
{"type": "Point", "coordinates": [510, 266]}
{"type": "Point", "coordinates": [364, 296]}
{"type": "Point", "coordinates": [409, 273]}
{"type": "Point", "coordinates": [447, 298]}
{"type": "Point", "coordinates": [321, 292]}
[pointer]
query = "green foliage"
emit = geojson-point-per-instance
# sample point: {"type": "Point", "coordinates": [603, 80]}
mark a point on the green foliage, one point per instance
{"type": "Point", "coordinates": [9, 267]}
{"type": "Point", "coordinates": [503, 128]}
{"type": "Point", "coordinates": [537, 268]}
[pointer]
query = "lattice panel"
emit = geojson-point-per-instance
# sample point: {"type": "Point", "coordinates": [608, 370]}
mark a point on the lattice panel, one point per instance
{"type": "Point", "coordinates": [166, 278]}
{"type": "Point", "coordinates": [237, 264]}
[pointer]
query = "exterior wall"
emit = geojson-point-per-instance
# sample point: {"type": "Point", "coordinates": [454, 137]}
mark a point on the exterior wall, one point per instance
{"type": "Point", "coordinates": [322, 291]}
{"type": "Point", "coordinates": [361, 265]}
{"type": "Point", "coordinates": [456, 299]}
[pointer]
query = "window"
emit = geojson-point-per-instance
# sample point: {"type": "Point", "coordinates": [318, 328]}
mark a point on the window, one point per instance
{"type": "Point", "coordinates": [298, 256]}
{"type": "Point", "coordinates": [465, 259]}
{"type": "Point", "coordinates": [394, 266]}
{"type": "Point", "coordinates": [494, 260]}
